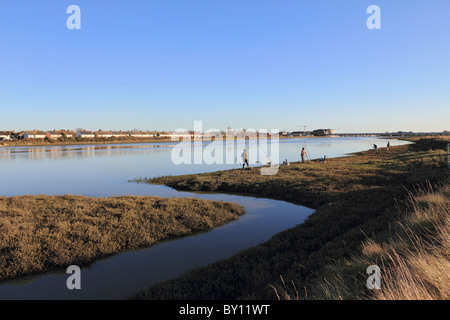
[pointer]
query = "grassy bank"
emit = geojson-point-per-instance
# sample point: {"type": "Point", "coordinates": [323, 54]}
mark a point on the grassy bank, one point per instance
{"type": "Point", "coordinates": [417, 256]}
{"type": "Point", "coordinates": [39, 233]}
{"type": "Point", "coordinates": [356, 198]}
{"type": "Point", "coordinates": [413, 256]}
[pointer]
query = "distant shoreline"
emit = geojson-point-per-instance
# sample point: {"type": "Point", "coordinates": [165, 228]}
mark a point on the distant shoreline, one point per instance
{"type": "Point", "coordinates": [44, 143]}
{"type": "Point", "coordinates": [72, 142]}
{"type": "Point", "coordinates": [361, 207]}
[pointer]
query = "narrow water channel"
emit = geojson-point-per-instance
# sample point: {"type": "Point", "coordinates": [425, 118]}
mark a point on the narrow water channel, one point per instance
{"type": "Point", "coordinates": [104, 171]}
{"type": "Point", "coordinates": [125, 274]}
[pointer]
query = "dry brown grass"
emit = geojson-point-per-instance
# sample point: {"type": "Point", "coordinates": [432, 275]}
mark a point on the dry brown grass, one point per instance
{"type": "Point", "coordinates": [414, 261]}
{"type": "Point", "coordinates": [418, 260]}
{"type": "Point", "coordinates": [38, 233]}
{"type": "Point", "coordinates": [356, 198]}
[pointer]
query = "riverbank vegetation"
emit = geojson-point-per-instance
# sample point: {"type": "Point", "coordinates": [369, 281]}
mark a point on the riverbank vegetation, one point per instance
{"type": "Point", "coordinates": [358, 200]}
{"type": "Point", "coordinates": [62, 141]}
{"type": "Point", "coordinates": [40, 233]}
{"type": "Point", "coordinates": [413, 256]}
{"type": "Point", "coordinates": [79, 141]}
{"type": "Point", "coordinates": [417, 257]}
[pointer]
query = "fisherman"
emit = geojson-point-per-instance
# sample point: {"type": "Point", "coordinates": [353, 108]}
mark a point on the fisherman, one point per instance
{"type": "Point", "coordinates": [303, 154]}
{"type": "Point", "coordinates": [388, 146]}
{"type": "Point", "coordinates": [244, 156]}
{"type": "Point", "coordinates": [375, 147]}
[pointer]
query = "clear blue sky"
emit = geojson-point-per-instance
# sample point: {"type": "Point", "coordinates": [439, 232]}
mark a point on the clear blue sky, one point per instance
{"type": "Point", "coordinates": [161, 64]}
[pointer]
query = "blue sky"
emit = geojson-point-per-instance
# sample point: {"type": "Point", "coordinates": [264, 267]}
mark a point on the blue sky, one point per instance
{"type": "Point", "coordinates": [162, 64]}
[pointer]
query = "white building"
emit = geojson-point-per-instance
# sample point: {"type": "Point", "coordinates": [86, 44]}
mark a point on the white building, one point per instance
{"type": "Point", "coordinates": [5, 135]}
{"type": "Point", "coordinates": [53, 135]}
{"type": "Point", "coordinates": [35, 134]}
{"type": "Point", "coordinates": [109, 134]}
{"type": "Point", "coordinates": [142, 134]}
{"type": "Point", "coordinates": [85, 134]}
{"type": "Point", "coordinates": [164, 134]}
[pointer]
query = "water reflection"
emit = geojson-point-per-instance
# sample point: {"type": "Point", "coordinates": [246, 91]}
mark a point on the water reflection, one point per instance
{"type": "Point", "coordinates": [54, 152]}
{"type": "Point", "coordinates": [104, 170]}
{"type": "Point", "coordinates": [289, 148]}
{"type": "Point", "coordinates": [124, 274]}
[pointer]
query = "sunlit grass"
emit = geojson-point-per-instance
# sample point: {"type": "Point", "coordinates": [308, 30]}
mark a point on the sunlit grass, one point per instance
{"type": "Point", "coordinates": [414, 260]}
{"type": "Point", "coordinates": [38, 233]}
{"type": "Point", "coordinates": [359, 202]}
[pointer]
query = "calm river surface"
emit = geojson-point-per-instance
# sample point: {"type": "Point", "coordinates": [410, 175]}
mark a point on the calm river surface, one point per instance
{"type": "Point", "coordinates": [105, 170]}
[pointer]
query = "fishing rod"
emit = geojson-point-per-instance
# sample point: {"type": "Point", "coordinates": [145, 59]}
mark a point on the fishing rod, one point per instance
{"type": "Point", "coordinates": [304, 144]}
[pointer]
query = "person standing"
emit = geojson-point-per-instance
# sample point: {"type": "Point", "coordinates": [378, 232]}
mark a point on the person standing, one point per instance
{"type": "Point", "coordinates": [388, 146]}
{"type": "Point", "coordinates": [244, 156]}
{"type": "Point", "coordinates": [303, 154]}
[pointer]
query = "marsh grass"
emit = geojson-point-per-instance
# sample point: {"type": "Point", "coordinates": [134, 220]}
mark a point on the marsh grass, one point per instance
{"type": "Point", "coordinates": [39, 233]}
{"type": "Point", "coordinates": [356, 198]}
{"type": "Point", "coordinates": [414, 259]}
{"type": "Point", "coordinates": [418, 258]}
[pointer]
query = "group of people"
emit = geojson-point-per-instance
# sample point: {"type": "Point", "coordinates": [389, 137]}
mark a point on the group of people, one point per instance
{"type": "Point", "coordinates": [303, 155]}
{"type": "Point", "coordinates": [375, 147]}
{"type": "Point", "coordinates": [244, 156]}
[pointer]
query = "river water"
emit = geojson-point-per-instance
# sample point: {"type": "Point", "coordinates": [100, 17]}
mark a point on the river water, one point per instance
{"type": "Point", "coordinates": [106, 170]}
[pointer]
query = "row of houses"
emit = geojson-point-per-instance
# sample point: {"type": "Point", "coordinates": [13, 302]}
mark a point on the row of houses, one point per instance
{"type": "Point", "coordinates": [122, 134]}
{"type": "Point", "coordinates": [56, 134]}
{"type": "Point", "coordinates": [34, 134]}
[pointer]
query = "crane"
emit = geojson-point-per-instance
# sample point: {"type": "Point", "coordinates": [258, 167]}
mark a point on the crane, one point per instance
{"type": "Point", "coordinates": [304, 128]}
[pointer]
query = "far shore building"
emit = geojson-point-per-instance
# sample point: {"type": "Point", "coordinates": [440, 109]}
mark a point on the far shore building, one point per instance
{"type": "Point", "coordinates": [85, 134]}
{"type": "Point", "coordinates": [142, 134]}
{"type": "Point", "coordinates": [56, 134]}
{"type": "Point", "coordinates": [6, 135]}
{"type": "Point", "coordinates": [324, 132]}
{"type": "Point", "coordinates": [35, 134]}
{"type": "Point", "coordinates": [163, 134]}
{"type": "Point", "coordinates": [299, 134]}
{"type": "Point", "coordinates": [182, 134]}
{"type": "Point", "coordinates": [67, 133]}
{"type": "Point", "coordinates": [52, 135]}
{"type": "Point", "coordinates": [109, 134]}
